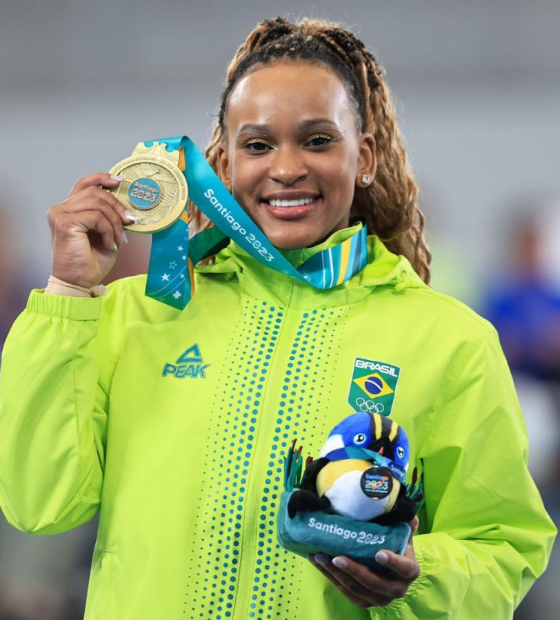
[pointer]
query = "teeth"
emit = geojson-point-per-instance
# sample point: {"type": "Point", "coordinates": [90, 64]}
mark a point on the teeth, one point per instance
{"type": "Point", "coordinates": [291, 203]}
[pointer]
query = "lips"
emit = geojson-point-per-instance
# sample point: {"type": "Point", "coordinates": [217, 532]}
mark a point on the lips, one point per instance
{"type": "Point", "coordinates": [292, 211]}
{"type": "Point", "coordinates": [301, 202]}
{"type": "Point", "coordinates": [289, 196]}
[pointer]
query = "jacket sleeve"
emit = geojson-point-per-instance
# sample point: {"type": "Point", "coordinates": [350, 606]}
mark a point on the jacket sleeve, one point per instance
{"type": "Point", "coordinates": [485, 535]}
{"type": "Point", "coordinates": [53, 414]}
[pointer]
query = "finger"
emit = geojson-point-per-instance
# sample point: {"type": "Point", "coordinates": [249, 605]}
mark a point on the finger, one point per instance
{"type": "Point", "coordinates": [346, 580]}
{"type": "Point", "coordinates": [103, 197]}
{"type": "Point", "coordinates": [414, 525]}
{"type": "Point", "coordinates": [98, 179]}
{"type": "Point", "coordinates": [354, 598]}
{"type": "Point", "coordinates": [118, 206]}
{"type": "Point", "coordinates": [106, 230]}
{"type": "Point", "coordinates": [97, 222]}
{"type": "Point", "coordinates": [405, 566]}
{"type": "Point", "coordinates": [383, 585]}
{"type": "Point", "coordinates": [88, 200]}
{"type": "Point", "coordinates": [64, 221]}
{"type": "Point", "coordinates": [106, 204]}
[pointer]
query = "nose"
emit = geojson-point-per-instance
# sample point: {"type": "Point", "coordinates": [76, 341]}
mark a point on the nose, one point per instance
{"type": "Point", "coordinates": [287, 165]}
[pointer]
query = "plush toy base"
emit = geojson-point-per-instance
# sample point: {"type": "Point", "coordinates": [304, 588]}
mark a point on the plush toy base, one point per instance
{"type": "Point", "coordinates": [320, 532]}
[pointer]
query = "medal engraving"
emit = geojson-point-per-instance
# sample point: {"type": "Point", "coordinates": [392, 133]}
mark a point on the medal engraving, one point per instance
{"type": "Point", "coordinates": [144, 193]}
{"type": "Point", "coordinates": [154, 188]}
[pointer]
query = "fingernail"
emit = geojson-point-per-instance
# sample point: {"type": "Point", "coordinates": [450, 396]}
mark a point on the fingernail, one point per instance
{"type": "Point", "coordinates": [322, 559]}
{"type": "Point", "coordinates": [381, 558]}
{"type": "Point", "coordinates": [125, 238]}
{"type": "Point", "coordinates": [117, 178]}
{"type": "Point", "coordinates": [131, 217]}
{"type": "Point", "coordinates": [115, 247]}
{"type": "Point", "coordinates": [340, 562]}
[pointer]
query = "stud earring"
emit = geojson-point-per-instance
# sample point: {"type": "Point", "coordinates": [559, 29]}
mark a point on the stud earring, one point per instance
{"type": "Point", "coordinates": [366, 179]}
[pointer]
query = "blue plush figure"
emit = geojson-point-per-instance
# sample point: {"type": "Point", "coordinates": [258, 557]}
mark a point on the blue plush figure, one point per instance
{"type": "Point", "coordinates": [360, 472]}
{"type": "Point", "coordinates": [359, 476]}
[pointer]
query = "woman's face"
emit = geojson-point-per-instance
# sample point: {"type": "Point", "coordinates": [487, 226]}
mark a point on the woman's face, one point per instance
{"type": "Point", "coordinates": [292, 153]}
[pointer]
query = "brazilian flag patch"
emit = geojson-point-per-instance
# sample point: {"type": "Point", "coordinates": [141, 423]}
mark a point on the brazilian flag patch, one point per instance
{"type": "Point", "coordinates": [373, 386]}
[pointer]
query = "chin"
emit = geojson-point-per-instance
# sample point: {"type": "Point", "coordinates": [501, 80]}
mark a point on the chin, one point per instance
{"type": "Point", "coordinates": [292, 240]}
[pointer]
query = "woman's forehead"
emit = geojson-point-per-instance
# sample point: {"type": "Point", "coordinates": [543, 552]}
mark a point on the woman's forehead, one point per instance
{"type": "Point", "coordinates": [289, 93]}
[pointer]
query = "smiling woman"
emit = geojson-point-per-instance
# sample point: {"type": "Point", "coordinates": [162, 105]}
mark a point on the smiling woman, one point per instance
{"type": "Point", "coordinates": [329, 80]}
{"type": "Point", "coordinates": [292, 152]}
{"type": "Point", "coordinates": [173, 423]}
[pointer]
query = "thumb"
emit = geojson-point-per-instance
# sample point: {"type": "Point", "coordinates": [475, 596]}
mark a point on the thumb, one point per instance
{"type": "Point", "coordinates": [414, 526]}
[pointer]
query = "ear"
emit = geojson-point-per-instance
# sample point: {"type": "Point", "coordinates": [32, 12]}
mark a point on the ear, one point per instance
{"type": "Point", "coordinates": [367, 160]}
{"type": "Point", "coordinates": [224, 170]}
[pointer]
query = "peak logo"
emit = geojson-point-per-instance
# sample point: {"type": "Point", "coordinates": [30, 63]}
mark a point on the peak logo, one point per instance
{"type": "Point", "coordinates": [188, 364]}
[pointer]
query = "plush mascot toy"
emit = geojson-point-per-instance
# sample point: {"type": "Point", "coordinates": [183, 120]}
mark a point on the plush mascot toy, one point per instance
{"type": "Point", "coordinates": [353, 499]}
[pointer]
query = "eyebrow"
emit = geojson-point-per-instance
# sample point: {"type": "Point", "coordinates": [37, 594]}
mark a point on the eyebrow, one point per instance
{"type": "Point", "coordinates": [265, 128]}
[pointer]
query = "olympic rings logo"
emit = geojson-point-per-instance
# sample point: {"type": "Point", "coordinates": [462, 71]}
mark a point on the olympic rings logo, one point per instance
{"type": "Point", "coordinates": [369, 406]}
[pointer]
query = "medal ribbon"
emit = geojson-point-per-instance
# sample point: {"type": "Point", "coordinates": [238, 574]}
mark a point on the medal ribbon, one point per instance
{"type": "Point", "coordinates": [170, 271]}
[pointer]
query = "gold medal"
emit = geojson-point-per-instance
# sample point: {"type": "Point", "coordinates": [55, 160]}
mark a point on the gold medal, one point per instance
{"type": "Point", "coordinates": [154, 189]}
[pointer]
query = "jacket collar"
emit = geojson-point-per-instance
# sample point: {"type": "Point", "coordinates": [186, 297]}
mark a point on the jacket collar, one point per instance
{"type": "Point", "coordinates": [257, 280]}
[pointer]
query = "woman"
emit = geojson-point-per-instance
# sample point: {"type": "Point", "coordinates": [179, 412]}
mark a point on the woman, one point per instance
{"type": "Point", "coordinates": [186, 467]}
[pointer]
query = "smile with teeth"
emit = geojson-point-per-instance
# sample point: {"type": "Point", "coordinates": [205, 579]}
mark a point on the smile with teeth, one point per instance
{"type": "Point", "coordinates": [292, 203]}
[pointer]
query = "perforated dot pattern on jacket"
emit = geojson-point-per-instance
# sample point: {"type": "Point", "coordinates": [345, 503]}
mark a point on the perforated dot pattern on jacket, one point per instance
{"type": "Point", "coordinates": [234, 543]}
{"type": "Point", "coordinates": [303, 396]}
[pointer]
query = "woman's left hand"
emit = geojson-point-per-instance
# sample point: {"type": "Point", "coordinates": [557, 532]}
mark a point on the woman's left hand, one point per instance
{"type": "Point", "coordinates": [368, 588]}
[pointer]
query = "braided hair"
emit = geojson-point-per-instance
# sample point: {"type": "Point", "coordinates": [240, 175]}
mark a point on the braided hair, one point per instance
{"type": "Point", "coordinates": [389, 204]}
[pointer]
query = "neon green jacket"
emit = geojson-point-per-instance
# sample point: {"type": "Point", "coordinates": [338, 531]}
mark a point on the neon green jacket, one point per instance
{"type": "Point", "coordinates": [173, 425]}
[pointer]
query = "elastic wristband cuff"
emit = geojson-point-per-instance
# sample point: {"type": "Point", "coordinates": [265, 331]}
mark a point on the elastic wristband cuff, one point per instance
{"type": "Point", "coordinates": [64, 306]}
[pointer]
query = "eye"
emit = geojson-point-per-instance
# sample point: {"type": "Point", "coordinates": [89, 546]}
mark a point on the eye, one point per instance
{"type": "Point", "coordinates": [359, 439]}
{"type": "Point", "coordinates": [256, 146]}
{"type": "Point", "coordinates": [319, 140]}
{"type": "Point", "coordinates": [400, 452]}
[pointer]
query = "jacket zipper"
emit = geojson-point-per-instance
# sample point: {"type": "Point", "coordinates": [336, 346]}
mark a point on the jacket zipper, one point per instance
{"type": "Point", "coordinates": [270, 396]}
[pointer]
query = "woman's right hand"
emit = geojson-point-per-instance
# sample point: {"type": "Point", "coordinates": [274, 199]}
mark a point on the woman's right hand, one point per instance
{"type": "Point", "coordinates": [86, 230]}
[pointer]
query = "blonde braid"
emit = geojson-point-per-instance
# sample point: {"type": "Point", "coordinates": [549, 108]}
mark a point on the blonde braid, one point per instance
{"type": "Point", "coordinates": [390, 203]}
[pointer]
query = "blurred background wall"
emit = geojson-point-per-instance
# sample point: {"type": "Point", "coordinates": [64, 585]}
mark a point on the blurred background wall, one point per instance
{"type": "Point", "coordinates": [478, 88]}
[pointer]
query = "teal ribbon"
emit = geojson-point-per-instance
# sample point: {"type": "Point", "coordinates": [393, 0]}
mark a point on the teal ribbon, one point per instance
{"type": "Point", "coordinates": [168, 271]}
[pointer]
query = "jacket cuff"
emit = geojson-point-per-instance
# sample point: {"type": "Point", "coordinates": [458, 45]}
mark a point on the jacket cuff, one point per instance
{"type": "Point", "coordinates": [64, 306]}
{"type": "Point", "coordinates": [394, 609]}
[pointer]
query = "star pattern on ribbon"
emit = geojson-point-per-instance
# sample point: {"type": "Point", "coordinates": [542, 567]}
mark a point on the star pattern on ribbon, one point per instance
{"type": "Point", "coordinates": [172, 284]}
